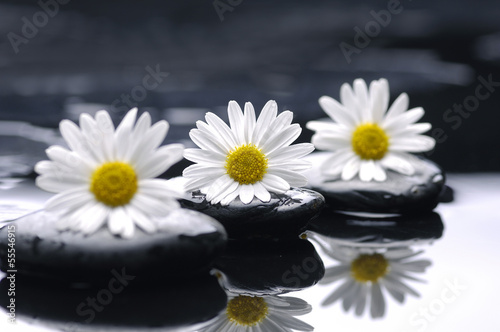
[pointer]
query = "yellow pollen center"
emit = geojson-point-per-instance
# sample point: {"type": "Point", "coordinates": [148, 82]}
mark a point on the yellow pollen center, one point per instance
{"type": "Point", "coordinates": [246, 164]}
{"type": "Point", "coordinates": [114, 183]}
{"type": "Point", "coordinates": [247, 310]}
{"type": "Point", "coordinates": [369, 141]}
{"type": "Point", "coordinates": [369, 267]}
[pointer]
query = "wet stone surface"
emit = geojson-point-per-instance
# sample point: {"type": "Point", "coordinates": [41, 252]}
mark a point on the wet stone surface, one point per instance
{"type": "Point", "coordinates": [398, 194]}
{"type": "Point", "coordinates": [284, 215]}
{"type": "Point", "coordinates": [188, 244]}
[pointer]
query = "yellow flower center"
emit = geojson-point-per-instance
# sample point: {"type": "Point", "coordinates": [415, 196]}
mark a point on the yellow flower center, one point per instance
{"type": "Point", "coordinates": [369, 267]}
{"type": "Point", "coordinates": [246, 164]}
{"type": "Point", "coordinates": [247, 310]}
{"type": "Point", "coordinates": [369, 141]}
{"type": "Point", "coordinates": [114, 183]}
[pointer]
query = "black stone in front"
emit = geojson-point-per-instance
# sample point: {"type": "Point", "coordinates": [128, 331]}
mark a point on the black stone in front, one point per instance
{"type": "Point", "coordinates": [42, 250]}
{"type": "Point", "coordinates": [285, 215]}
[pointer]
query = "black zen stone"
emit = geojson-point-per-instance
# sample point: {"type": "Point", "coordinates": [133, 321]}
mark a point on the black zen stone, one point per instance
{"type": "Point", "coordinates": [385, 231]}
{"type": "Point", "coordinates": [42, 250]}
{"type": "Point", "coordinates": [284, 215]}
{"type": "Point", "coordinates": [398, 194]}
{"type": "Point", "coordinates": [117, 304]}
{"type": "Point", "coordinates": [270, 267]}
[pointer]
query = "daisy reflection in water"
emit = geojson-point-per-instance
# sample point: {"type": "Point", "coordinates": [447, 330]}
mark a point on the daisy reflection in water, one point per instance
{"type": "Point", "coordinates": [365, 273]}
{"type": "Point", "coordinates": [260, 313]}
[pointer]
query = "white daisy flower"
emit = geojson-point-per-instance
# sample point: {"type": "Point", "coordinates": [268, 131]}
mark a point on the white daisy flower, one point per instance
{"type": "Point", "coordinates": [249, 313]}
{"type": "Point", "coordinates": [107, 176]}
{"type": "Point", "coordinates": [365, 272]}
{"type": "Point", "coordinates": [251, 158]}
{"type": "Point", "coordinates": [366, 137]}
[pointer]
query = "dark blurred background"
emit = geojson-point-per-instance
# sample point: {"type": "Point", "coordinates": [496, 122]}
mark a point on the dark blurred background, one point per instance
{"type": "Point", "coordinates": [180, 59]}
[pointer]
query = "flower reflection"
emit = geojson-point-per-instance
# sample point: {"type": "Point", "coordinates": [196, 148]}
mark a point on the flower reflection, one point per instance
{"type": "Point", "coordinates": [263, 313]}
{"type": "Point", "coordinates": [366, 273]}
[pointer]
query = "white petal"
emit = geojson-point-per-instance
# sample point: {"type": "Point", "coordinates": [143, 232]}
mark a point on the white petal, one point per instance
{"type": "Point", "coordinates": [207, 142]}
{"type": "Point", "coordinates": [403, 120]}
{"type": "Point", "coordinates": [69, 200]}
{"type": "Point", "coordinates": [221, 129]}
{"type": "Point", "coordinates": [330, 142]}
{"type": "Point", "coordinates": [159, 161]}
{"type": "Point", "coordinates": [261, 192]}
{"type": "Point", "coordinates": [362, 100]}
{"type": "Point", "coordinates": [267, 115]}
{"type": "Point", "coordinates": [236, 121]}
{"type": "Point", "coordinates": [60, 183]}
{"type": "Point", "coordinates": [148, 142]}
{"type": "Point", "coordinates": [285, 138]}
{"type": "Point", "coordinates": [160, 188]}
{"type": "Point", "coordinates": [291, 152]}
{"type": "Point", "coordinates": [377, 308]}
{"type": "Point", "coordinates": [123, 134]}
{"type": "Point", "coordinates": [218, 186]}
{"type": "Point", "coordinates": [199, 170]}
{"type": "Point", "coordinates": [329, 127]}
{"type": "Point", "coordinates": [230, 197]}
{"type": "Point", "coordinates": [351, 168]}
{"type": "Point", "coordinates": [73, 136]}
{"type": "Point", "coordinates": [367, 170]}
{"type": "Point", "coordinates": [246, 193]}
{"type": "Point", "coordinates": [417, 143]}
{"type": "Point", "coordinates": [116, 220]}
{"type": "Point", "coordinates": [145, 223]}
{"type": "Point", "coordinates": [410, 130]}
{"type": "Point", "coordinates": [293, 178]}
{"type": "Point", "coordinates": [274, 183]}
{"type": "Point", "coordinates": [379, 99]}
{"type": "Point", "coordinates": [339, 113]}
{"type": "Point", "coordinates": [339, 292]}
{"type": "Point", "coordinates": [249, 122]}
{"type": "Point", "coordinates": [398, 107]}
{"type": "Point", "coordinates": [107, 129]}
{"type": "Point", "coordinates": [277, 127]}
{"type": "Point", "coordinates": [379, 173]}
{"type": "Point", "coordinates": [69, 159]}
{"type": "Point", "coordinates": [93, 218]}
{"type": "Point", "coordinates": [142, 126]}
{"type": "Point", "coordinates": [334, 165]}
{"type": "Point", "coordinates": [205, 157]}
{"type": "Point", "coordinates": [399, 163]}
{"type": "Point", "coordinates": [230, 189]}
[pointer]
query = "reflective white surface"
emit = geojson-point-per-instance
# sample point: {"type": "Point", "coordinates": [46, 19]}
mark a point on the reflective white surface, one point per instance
{"type": "Point", "coordinates": [460, 293]}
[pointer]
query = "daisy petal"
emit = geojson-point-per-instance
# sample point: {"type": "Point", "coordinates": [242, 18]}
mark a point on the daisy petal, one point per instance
{"type": "Point", "coordinates": [367, 170]}
{"type": "Point", "coordinates": [267, 115]}
{"type": "Point", "coordinates": [249, 118]}
{"type": "Point", "coordinates": [418, 143]}
{"type": "Point", "coordinates": [398, 163]}
{"type": "Point", "coordinates": [398, 107]}
{"type": "Point", "coordinates": [246, 193]}
{"type": "Point", "coordinates": [236, 121]}
{"type": "Point", "coordinates": [351, 168]}
{"type": "Point", "coordinates": [275, 183]}
{"type": "Point", "coordinates": [337, 112]}
{"type": "Point", "coordinates": [403, 120]}
{"type": "Point", "coordinates": [261, 192]}
{"type": "Point", "coordinates": [158, 162]}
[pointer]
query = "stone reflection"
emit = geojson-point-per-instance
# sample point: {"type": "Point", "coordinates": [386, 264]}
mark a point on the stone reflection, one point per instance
{"type": "Point", "coordinates": [376, 258]}
{"type": "Point", "coordinates": [246, 312]}
{"type": "Point", "coordinates": [121, 303]}
{"type": "Point", "coordinates": [255, 275]}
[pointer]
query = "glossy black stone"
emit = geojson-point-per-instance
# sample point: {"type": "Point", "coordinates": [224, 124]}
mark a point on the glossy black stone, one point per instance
{"type": "Point", "coordinates": [270, 267]}
{"type": "Point", "coordinates": [115, 304]}
{"type": "Point", "coordinates": [41, 250]}
{"type": "Point", "coordinates": [373, 231]}
{"type": "Point", "coordinates": [286, 214]}
{"type": "Point", "coordinates": [398, 194]}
